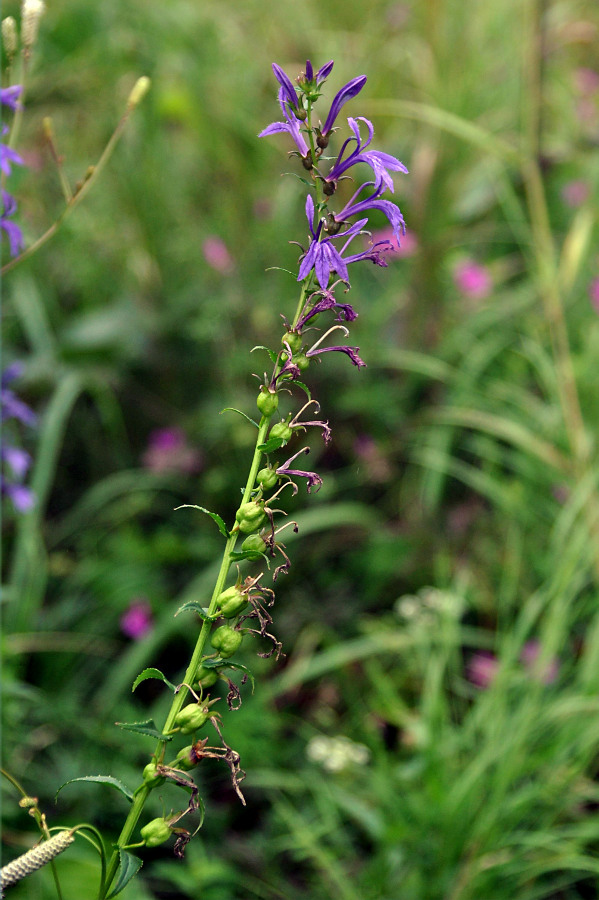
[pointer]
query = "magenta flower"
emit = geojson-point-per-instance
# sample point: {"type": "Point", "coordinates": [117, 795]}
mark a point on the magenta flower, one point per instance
{"type": "Point", "coordinates": [594, 294]}
{"type": "Point", "coordinates": [137, 621]}
{"type": "Point", "coordinates": [472, 279]}
{"type": "Point", "coordinates": [574, 193]}
{"type": "Point", "coordinates": [530, 657]}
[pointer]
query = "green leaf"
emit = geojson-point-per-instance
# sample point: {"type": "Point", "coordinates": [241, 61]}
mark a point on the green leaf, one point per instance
{"type": "Point", "coordinates": [272, 444]}
{"type": "Point", "coordinates": [129, 867]}
{"type": "Point", "coordinates": [232, 409]}
{"type": "Point", "coordinates": [152, 673]}
{"type": "Point", "coordinates": [221, 525]}
{"type": "Point", "coordinates": [304, 388]}
{"type": "Point", "coordinates": [148, 727]}
{"type": "Point", "coordinates": [271, 353]}
{"type": "Point", "coordinates": [101, 779]}
{"type": "Point", "coordinates": [196, 606]}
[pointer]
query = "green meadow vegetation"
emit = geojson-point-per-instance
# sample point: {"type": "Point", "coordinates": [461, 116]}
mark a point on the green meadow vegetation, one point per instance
{"type": "Point", "coordinates": [432, 732]}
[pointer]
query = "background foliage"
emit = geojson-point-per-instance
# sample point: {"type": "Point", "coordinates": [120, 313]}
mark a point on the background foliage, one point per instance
{"type": "Point", "coordinates": [457, 528]}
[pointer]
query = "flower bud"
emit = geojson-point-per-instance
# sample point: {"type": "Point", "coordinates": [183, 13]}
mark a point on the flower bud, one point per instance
{"type": "Point", "coordinates": [301, 361]}
{"type": "Point", "coordinates": [267, 402]}
{"type": "Point", "coordinates": [155, 832]}
{"type": "Point", "coordinates": [250, 516]}
{"type": "Point", "coordinates": [139, 91]}
{"type": "Point", "coordinates": [231, 602]}
{"type": "Point", "coordinates": [267, 478]}
{"type": "Point", "coordinates": [226, 640]}
{"type": "Point", "coordinates": [151, 777]}
{"type": "Point", "coordinates": [31, 13]}
{"type": "Point", "coordinates": [191, 717]}
{"type": "Point", "coordinates": [280, 430]}
{"type": "Point", "coordinates": [9, 36]}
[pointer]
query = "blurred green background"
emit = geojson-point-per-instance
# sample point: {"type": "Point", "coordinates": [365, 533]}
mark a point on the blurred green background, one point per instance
{"type": "Point", "coordinates": [433, 731]}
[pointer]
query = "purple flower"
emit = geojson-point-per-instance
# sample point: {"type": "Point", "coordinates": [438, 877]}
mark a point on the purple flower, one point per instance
{"type": "Point", "coordinates": [8, 156]}
{"type": "Point", "coordinates": [11, 229]}
{"type": "Point", "coordinates": [352, 352]}
{"type": "Point", "coordinates": [313, 480]}
{"type": "Point", "coordinates": [482, 668]}
{"type": "Point", "coordinates": [321, 75]}
{"type": "Point", "coordinates": [327, 301]}
{"type": "Point", "coordinates": [137, 621]}
{"type": "Point", "coordinates": [380, 163]}
{"type": "Point", "coordinates": [287, 90]}
{"type": "Point", "coordinates": [355, 207]}
{"type": "Point", "coordinates": [16, 460]}
{"type": "Point", "coordinates": [347, 92]}
{"type": "Point", "coordinates": [217, 256]}
{"type": "Point", "coordinates": [11, 406]}
{"type": "Point", "coordinates": [291, 126]}
{"type": "Point", "coordinates": [10, 96]}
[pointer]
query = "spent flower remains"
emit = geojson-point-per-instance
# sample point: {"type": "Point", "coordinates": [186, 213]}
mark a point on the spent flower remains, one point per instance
{"type": "Point", "coordinates": [318, 326]}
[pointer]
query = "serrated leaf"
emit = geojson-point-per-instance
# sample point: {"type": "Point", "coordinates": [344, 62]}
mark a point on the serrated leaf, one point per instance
{"type": "Point", "coordinates": [232, 409]}
{"type": "Point", "coordinates": [272, 444]}
{"type": "Point", "coordinates": [304, 388]}
{"type": "Point", "coordinates": [196, 606]}
{"type": "Point", "coordinates": [128, 868]}
{"type": "Point", "coordinates": [148, 728]}
{"type": "Point", "coordinates": [100, 779]}
{"type": "Point", "coordinates": [271, 353]}
{"type": "Point", "coordinates": [152, 673]}
{"type": "Point", "coordinates": [215, 516]}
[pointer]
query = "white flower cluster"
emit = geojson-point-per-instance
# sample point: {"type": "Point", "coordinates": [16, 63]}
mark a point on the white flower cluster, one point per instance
{"type": "Point", "coordinates": [336, 753]}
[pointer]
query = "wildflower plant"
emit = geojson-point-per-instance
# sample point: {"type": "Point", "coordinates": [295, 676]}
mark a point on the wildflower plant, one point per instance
{"type": "Point", "coordinates": [241, 604]}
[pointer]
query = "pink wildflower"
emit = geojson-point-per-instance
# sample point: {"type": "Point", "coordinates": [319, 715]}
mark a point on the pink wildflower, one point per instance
{"type": "Point", "coordinates": [482, 668]}
{"type": "Point", "coordinates": [472, 279]}
{"type": "Point", "coordinates": [574, 193]}
{"type": "Point", "coordinates": [530, 656]}
{"type": "Point", "coordinates": [217, 256]}
{"type": "Point", "coordinates": [409, 243]}
{"type": "Point", "coordinates": [168, 450]}
{"type": "Point", "coordinates": [594, 294]}
{"type": "Point", "coordinates": [137, 621]}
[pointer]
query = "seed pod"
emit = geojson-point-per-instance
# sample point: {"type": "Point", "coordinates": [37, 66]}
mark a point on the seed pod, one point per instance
{"type": "Point", "coordinates": [254, 543]}
{"type": "Point", "coordinates": [250, 516]}
{"type": "Point", "coordinates": [267, 402]}
{"type": "Point", "coordinates": [226, 640]}
{"type": "Point", "coordinates": [155, 832]}
{"type": "Point", "coordinates": [206, 677]}
{"type": "Point", "coordinates": [302, 362]}
{"type": "Point", "coordinates": [267, 478]}
{"type": "Point", "coordinates": [191, 717]}
{"type": "Point", "coordinates": [293, 339]}
{"type": "Point", "coordinates": [150, 776]}
{"type": "Point", "coordinates": [231, 602]}
{"type": "Point", "coordinates": [184, 759]}
{"type": "Point", "coordinates": [280, 430]}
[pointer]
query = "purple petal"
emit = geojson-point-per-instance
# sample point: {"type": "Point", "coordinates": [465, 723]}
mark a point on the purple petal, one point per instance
{"type": "Point", "coordinates": [347, 92]}
{"type": "Point", "coordinates": [10, 96]}
{"type": "Point", "coordinates": [324, 72]}
{"type": "Point", "coordinates": [286, 84]}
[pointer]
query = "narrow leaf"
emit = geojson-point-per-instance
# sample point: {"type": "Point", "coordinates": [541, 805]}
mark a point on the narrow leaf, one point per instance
{"type": "Point", "coordinates": [232, 409]}
{"type": "Point", "coordinates": [101, 779]}
{"type": "Point", "coordinates": [148, 727]}
{"type": "Point", "coordinates": [129, 867]}
{"type": "Point", "coordinates": [221, 525]}
{"type": "Point", "coordinates": [151, 673]}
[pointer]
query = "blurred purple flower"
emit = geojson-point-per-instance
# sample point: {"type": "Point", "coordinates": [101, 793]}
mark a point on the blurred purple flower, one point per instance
{"type": "Point", "coordinates": [482, 668]}
{"type": "Point", "coordinates": [594, 294]}
{"type": "Point", "coordinates": [472, 279]}
{"type": "Point", "coordinates": [16, 461]}
{"type": "Point", "coordinates": [137, 621]}
{"type": "Point", "coordinates": [9, 96]}
{"type": "Point", "coordinates": [168, 450]}
{"type": "Point", "coordinates": [8, 156]}
{"type": "Point", "coordinates": [217, 256]}
{"type": "Point", "coordinates": [586, 81]}
{"type": "Point", "coordinates": [574, 193]}
{"type": "Point", "coordinates": [530, 658]}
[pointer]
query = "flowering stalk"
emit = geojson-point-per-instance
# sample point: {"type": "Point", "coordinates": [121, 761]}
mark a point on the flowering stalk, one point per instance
{"type": "Point", "coordinates": [243, 607]}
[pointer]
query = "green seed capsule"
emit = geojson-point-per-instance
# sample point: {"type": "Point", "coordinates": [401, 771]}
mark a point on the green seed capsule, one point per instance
{"type": "Point", "coordinates": [231, 602]}
{"type": "Point", "coordinates": [207, 677]}
{"type": "Point", "coordinates": [293, 339]}
{"type": "Point", "coordinates": [191, 717]}
{"type": "Point", "coordinates": [155, 832]}
{"type": "Point", "coordinates": [254, 543]}
{"type": "Point", "coordinates": [267, 402]}
{"type": "Point", "coordinates": [226, 640]}
{"type": "Point", "coordinates": [301, 361]}
{"type": "Point", "coordinates": [150, 776]}
{"type": "Point", "coordinates": [267, 478]}
{"type": "Point", "coordinates": [280, 430]}
{"type": "Point", "coordinates": [250, 516]}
